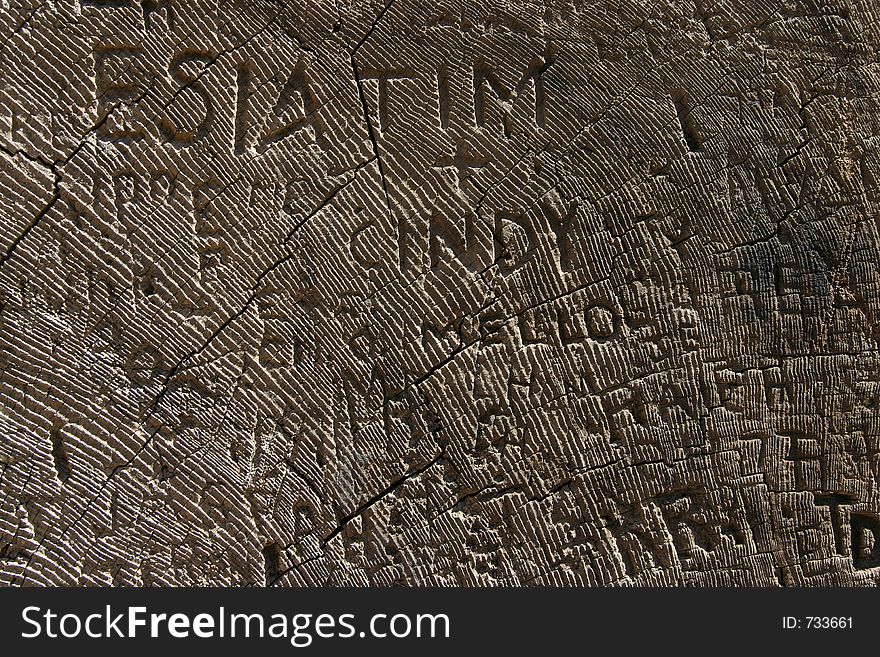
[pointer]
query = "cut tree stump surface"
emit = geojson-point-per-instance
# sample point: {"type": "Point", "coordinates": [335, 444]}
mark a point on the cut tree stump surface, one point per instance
{"type": "Point", "coordinates": [461, 293]}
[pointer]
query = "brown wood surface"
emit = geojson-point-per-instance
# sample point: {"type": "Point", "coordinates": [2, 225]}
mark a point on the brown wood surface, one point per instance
{"type": "Point", "coordinates": [454, 293]}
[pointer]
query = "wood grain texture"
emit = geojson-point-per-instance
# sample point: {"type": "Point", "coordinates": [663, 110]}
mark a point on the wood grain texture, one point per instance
{"type": "Point", "coordinates": [462, 293]}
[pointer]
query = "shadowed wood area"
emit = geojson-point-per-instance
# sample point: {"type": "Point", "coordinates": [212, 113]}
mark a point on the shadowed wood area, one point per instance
{"type": "Point", "coordinates": [460, 294]}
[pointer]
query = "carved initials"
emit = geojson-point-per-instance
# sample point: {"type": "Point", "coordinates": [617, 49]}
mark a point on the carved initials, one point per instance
{"type": "Point", "coordinates": [296, 94]}
{"type": "Point", "coordinates": [486, 79]}
{"type": "Point", "coordinates": [115, 96]}
{"type": "Point", "coordinates": [186, 80]}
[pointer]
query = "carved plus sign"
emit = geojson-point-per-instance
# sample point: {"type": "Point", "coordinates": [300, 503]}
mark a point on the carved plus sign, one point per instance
{"type": "Point", "coordinates": [463, 161]}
